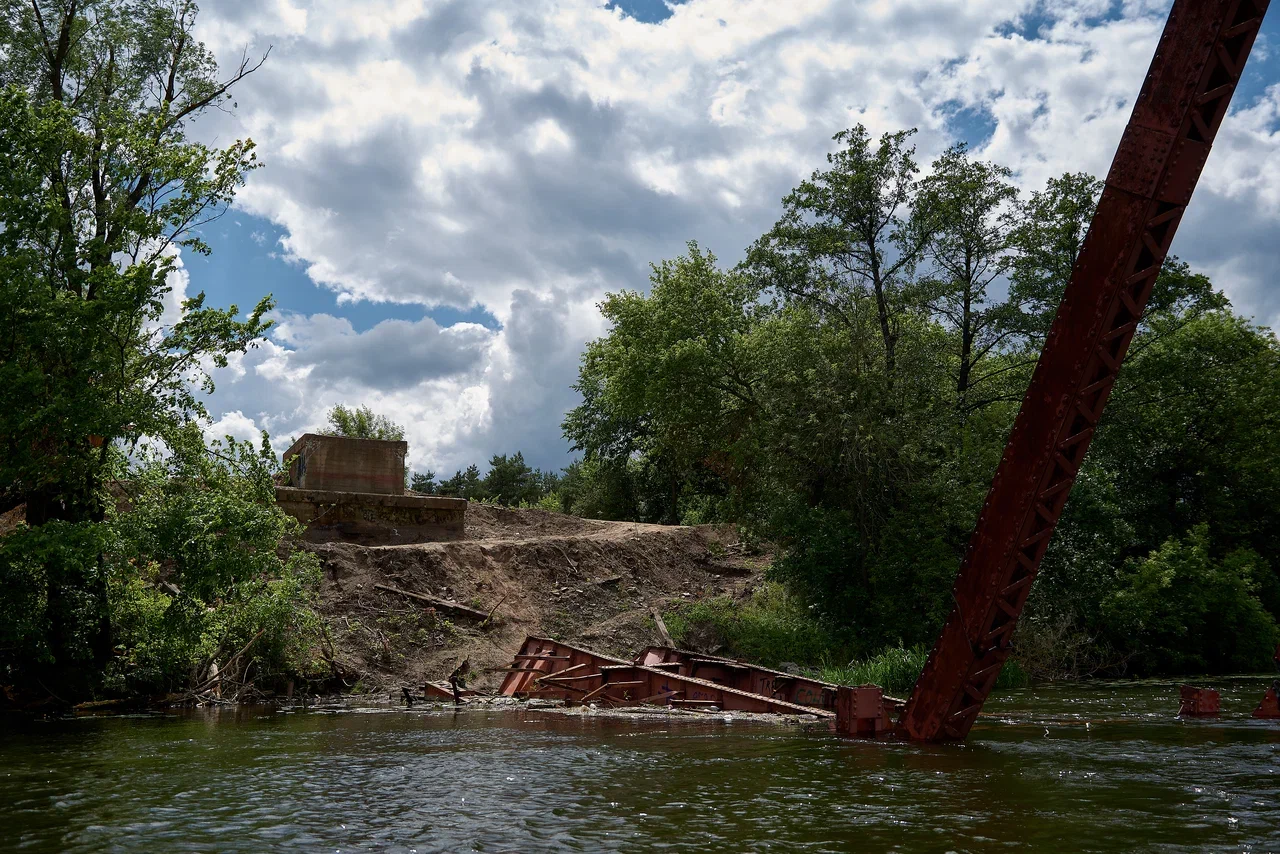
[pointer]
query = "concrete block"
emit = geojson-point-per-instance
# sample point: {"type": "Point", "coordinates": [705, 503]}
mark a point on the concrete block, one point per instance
{"type": "Point", "coordinates": [342, 464]}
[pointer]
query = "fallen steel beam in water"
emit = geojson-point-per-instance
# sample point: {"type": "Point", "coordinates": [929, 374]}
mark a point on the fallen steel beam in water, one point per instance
{"type": "Point", "coordinates": [551, 669]}
{"type": "Point", "coordinates": [777, 684]}
{"type": "Point", "coordinates": [540, 658]}
{"type": "Point", "coordinates": [636, 683]}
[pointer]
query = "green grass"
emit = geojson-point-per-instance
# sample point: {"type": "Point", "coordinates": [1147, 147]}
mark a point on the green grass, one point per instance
{"type": "Point", "coordinates": [774, 627]}
{"type": "Point", "coordinates": [770, 628]}
{"type": "Point", "coordinates": [896, 669]}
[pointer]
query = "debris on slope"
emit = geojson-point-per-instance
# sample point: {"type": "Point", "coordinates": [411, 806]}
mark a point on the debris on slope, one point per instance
{"type": "Point", "coordinates": [528, 572]}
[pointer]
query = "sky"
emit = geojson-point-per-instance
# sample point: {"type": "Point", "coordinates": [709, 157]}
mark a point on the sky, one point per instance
{"type": "Point", "coordinates": [450, 187]}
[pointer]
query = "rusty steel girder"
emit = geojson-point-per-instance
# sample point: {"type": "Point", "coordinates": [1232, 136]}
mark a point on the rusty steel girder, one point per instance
{"type": "Point", "coordinates": [1196, 702]}
{"type": "Point", "coordinates": [550, 669]}
{"type": "Point", "coordinates": [742, 675]}
{"type": "Point", "coordinates": [1184, 98]}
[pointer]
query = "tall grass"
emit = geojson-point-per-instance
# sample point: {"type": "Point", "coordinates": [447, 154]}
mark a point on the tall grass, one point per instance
{"type": "Point", "coordinates": [895, 670]}
{"type": "Point", "coordinates": [770, 628]}
{"type": "Point", "coordinates": [775, 627]}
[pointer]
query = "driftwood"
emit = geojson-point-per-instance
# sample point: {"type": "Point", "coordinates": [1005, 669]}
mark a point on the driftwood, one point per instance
{"type": "Point", "coordinates": [662, 628]}
{"type": "Point", "coordinates": [218, 676]}
{"type": "Point", "coordinates": [436, 602]}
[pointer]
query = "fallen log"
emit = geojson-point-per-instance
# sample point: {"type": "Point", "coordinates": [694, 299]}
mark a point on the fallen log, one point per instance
{"type": "Point", "coordinates": [437, 602]}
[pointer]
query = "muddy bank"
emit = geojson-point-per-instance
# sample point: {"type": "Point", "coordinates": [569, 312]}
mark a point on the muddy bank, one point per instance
{"type": "Point", "coordinates": [582, 581]}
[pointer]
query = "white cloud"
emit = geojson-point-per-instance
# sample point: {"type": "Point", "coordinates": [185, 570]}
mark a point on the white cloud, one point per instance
{"type": "Point", "coordinates": [236, 425]}
{"type": "Point", "coordinates": [528, 155]}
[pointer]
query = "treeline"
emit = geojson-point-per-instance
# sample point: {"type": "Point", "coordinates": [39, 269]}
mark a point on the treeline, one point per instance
{"type": "Point", "coordinates": [135, 558]}
{"type": "Point", "coordinates": [845, 392]}
{"type": "Point", "coordinates": [510, 481]}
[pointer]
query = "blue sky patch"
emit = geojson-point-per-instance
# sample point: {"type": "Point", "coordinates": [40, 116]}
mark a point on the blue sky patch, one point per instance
{"type": "Point", "coordinates": [247, 264]}
{"type": "Point", "coordinates": [648, 11]}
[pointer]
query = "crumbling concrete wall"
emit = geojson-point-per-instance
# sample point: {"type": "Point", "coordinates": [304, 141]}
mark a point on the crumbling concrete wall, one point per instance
{"type": "Point", "coordinates": [341, 464]}
{"type": "Point", "coordinates": [368, 519]}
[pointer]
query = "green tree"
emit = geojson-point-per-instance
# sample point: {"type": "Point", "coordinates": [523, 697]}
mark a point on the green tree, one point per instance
{"type": "Point", "coordinates": [1182, 611]}
{"type": "Point", "coordinates": [709, 400]}
{"type": "Point", "coordinates": [1050, 233]}
{"type": "Point", "coordinates": [424, 482]}
{"type": "Point", "coordinates": [969, 203]}
{"type": "Point", "coordinates": [845, 244]}
{"type": "Point", "coordinates": [100, 188]}
{"type": "Point", "coordinates": [196, 570]}
{"type": "Point", "coordinates": [663, 391]}
{"type": "Point", "coordinates": [510, 480]}
{"type": "Point", "coordinates": [362, 423]}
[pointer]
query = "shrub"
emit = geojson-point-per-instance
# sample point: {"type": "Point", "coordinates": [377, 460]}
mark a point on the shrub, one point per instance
{"type": "Point", "coordinates": [1183, 611]}
{"type": "Point", "coordinates": [770, 628]}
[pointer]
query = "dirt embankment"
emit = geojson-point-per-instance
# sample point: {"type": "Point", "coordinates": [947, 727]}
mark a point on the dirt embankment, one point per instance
{"type": "Point", "coordinates": [582, 581]}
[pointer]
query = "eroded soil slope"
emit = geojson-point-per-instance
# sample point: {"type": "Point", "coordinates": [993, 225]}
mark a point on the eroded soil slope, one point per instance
{"type": "Point", "coordinates": [581, 581]}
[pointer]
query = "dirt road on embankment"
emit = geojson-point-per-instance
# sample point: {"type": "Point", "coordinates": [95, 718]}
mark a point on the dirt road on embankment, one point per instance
{"type": "Point", "coordinates": [578, 580]}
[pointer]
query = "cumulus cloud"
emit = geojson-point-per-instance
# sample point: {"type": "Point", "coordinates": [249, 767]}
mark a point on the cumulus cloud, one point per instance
{"type": "Point", "coordinates": [395, 354]}
{"type": "Point", "coordinates": [528, 155]}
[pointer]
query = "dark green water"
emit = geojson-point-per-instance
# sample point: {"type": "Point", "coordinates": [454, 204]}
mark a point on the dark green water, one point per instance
{"type": "Point", "coordinates": [1032, 777]}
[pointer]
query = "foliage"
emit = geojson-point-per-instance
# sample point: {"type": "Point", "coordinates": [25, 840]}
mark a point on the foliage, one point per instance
{"type": "Point", "coordinates": [99, 189]}
{"type": "Point", "coordinates": [362, 423]}
{"type": "Point", "coordinates": [1184, 611]}
{"type": "Point", "coordinates": [847, 391]}
{"type": "Point", "coordinates": [198, 570]}
{"type": "Point", "coordinates": [52, 600]}
{"type": "Point", "coordinates": [896, 669]}
{"type": "Point", "coordinates": [770, 628]}
{"type": "Point", "coordinates": [424, 482]}
{"type": "Point", "coordinates": [848, 240]}
{"type": "Point", "coordinates": [510, 482]}
{"type": "Point", "coordinates": [191, 568]}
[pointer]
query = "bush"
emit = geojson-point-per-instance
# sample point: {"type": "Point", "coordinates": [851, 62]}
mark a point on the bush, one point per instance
{"type": "Point", "coordinates": [202, 567]}
{"type": "Point", "coordinates": [770, 628]}
{"type": "Point", "coordinates": [1182, 611]}
{"type": "Point", "coordinates": [896, 669]}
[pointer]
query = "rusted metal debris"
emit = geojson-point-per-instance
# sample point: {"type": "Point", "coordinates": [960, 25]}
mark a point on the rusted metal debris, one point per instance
{"type": "Point", "coordinates": [864, 711]}
{"type": "Point", "coordinates": [677, 678]}
{"type": "Point", "coordinates": [789, 687]}
{"type": "Point", "coordinates": [442, 690]}
{"type": "Point", "coordinates": [1270, 705]}
{"type": "Point", "coordinates": [538, 658]}
{"type": "Point", "coordinates": [1183, 101]}
{"type": "Point", "coordinates": [1199, 702]}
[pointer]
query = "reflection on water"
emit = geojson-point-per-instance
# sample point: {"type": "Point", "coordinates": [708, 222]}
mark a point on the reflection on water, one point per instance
{"type": "Point", "coordinates": [1103, 767]}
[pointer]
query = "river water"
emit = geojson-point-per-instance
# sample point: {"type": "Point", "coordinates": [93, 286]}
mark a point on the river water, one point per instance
{"type": "Point", "coordinates": [1092, 767]}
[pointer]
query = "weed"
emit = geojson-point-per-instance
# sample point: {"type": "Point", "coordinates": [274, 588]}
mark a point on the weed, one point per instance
{"type": "Point", "coordinates": [895, 669]}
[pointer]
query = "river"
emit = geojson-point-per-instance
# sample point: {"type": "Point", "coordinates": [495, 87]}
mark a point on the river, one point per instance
{"type": "Point", "coordinates": [1069, 767]}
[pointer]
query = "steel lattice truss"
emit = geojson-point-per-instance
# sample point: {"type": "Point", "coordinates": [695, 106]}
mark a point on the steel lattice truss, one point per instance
{"type": "Point", "coordinates": [1182, 104]}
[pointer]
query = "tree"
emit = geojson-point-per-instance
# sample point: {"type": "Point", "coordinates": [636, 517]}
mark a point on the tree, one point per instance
{"type": "Point", "coordinates": [968, 203]}
{"type": "Point", "coordinates": [1052, 225]}
{"type": "Point", "coordinates": [665, 391]}
{"type": "Point", "coordinates": [101, 187]}
{"type": "Point", "coordinates": [362, 423]}
{"type": "Point", "coordinates": [510, 480]}
{"type": "Point", "coordinates": [844, 244]}
{"type": "Point", "coordinates": [706, 400]}
{"type": "Point", "coordinates": [424, 483]}
{"type": "Point", "coordinates": [464, 484]}
{"type": "Point", "coordinates": [1183, 611]}
{"type": "Point", "coordinates": [196, 571]}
